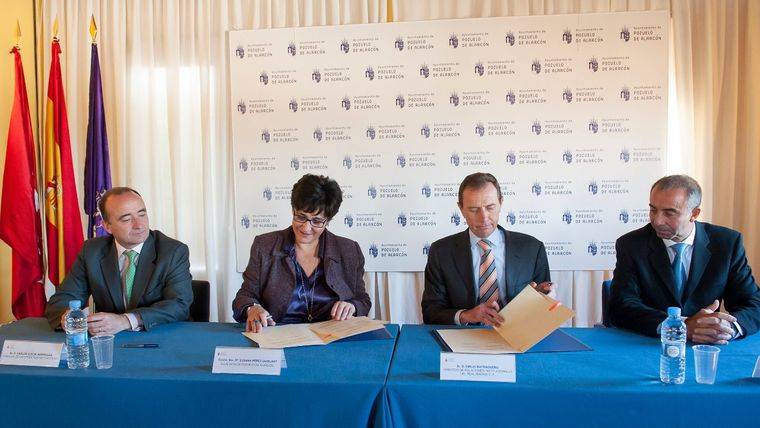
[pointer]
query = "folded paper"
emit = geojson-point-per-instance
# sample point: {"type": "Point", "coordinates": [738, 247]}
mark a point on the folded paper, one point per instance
{"type": "Point", "coordinates": [528, 318]}
{"type": "Point", "coordinates": [321, 333]}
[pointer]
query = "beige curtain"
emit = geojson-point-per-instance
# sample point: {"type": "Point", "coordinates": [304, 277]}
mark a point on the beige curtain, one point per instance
{"type": "Point", "coordinates": [717, 45]}
{"type": "Point", "coordinates": [165, 82]}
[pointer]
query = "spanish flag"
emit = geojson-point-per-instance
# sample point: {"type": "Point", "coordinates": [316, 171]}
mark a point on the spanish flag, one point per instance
{"type": "Point", "coordinates": [63, 224]}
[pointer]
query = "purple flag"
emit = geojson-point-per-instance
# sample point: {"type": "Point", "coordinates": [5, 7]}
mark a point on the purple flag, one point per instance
{"type": "Point", "coordinates": [97, 168]}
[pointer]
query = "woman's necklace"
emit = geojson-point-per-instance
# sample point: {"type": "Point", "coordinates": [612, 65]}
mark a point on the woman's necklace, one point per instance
{"type": "Point", "coordinates": [309, 299]}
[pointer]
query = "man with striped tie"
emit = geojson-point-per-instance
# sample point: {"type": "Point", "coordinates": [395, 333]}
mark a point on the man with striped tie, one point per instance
{"type": "Point", "coordinates": [676, 260]}
{"type": "Point", "coordinates": [138, 278]}
{"type": "Point", "coordinates": [472, 274]}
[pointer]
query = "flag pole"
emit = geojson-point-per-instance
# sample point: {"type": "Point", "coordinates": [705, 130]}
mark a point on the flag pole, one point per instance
{"type": "Point", "coordinates": [93, 30]}
{"type": "Point", "coordinates": [55, 29]}
{"type": "Point", "coordinates": [63, 222]}
{"type": "Point", "coordinates": [18, 35]}
{"type": "Point", "coordinates": [97, 169]}
{"type": "Point", "coordinates": [20, 225]}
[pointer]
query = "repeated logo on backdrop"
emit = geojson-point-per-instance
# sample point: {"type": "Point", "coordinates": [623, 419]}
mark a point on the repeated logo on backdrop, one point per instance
{"type": "Point", "coordinates": [567, 111]}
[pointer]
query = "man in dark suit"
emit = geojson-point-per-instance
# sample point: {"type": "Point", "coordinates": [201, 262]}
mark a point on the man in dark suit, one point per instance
{"type": "Point", "coordinates": [472, 274]}
{"type": "Point", "coordinates": [677, 261]}
{"type": "Point", "coordinates": [138, 278]}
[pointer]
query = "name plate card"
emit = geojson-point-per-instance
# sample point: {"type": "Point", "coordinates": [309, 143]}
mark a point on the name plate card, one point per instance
{"type": "Point", "coordinates": [31, 353]}
{"type": "Point", "coordinates": [478, 367]}
{"type": "Point", "coordinates": [248, 361]}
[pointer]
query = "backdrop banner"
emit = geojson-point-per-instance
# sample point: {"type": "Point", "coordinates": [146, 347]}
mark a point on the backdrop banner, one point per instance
{"type": "Point", "coordinates": [569, 112]}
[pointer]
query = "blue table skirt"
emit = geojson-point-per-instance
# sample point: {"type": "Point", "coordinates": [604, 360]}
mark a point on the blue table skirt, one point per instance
{"type": "Point", "coordinates": [336, 385]}
{"type": "Point", "coordinates": [617, 384]}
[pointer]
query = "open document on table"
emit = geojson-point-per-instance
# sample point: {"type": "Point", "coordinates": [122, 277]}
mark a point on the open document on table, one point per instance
{"type": "Point", "coordinates": [321, 333]}
{"type": "Point", "coordinates": [529, 318]}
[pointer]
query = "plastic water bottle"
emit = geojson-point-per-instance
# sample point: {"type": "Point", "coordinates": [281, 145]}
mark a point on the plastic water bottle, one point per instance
{"type": "Point", "coordinates": [78, 346]}
{"type": "Point", "coordinates": [673, 354]}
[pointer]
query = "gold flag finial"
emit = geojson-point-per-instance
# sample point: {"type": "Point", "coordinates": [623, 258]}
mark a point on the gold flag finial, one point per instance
{"type": "Point", "coordinates": [93, 29]}
{"type": "Point", "coordinates": [18, 33]}
{"type": "Point", "coordinates": [55, 28]}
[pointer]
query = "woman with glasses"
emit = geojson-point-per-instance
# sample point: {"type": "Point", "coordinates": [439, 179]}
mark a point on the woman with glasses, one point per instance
{"type": "Point", "coordinates": [303, 273]}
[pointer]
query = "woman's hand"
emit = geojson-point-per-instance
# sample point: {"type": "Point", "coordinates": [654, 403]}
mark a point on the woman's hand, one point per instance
{"type": "Point", "coordinates": [342, 310]}
{"type": "Point", "coordinates": [258, 318]}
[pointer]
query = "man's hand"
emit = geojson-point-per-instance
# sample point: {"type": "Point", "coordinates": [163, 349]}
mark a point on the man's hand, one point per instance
{"type": "Point", "coordinates": [709, 326]}
{"type": "Point", "coordinates": [258, 318]}
{"type": "Point", "coordinates": [486, 313]}
{"type": "Point", "coordinates": [342, 310]}
{"type": "Point", "coordinates": [544, 287]}
{"type": "Point", "coordinates": [103, 323]}
{"type": "Point", "coordinates": [63, 319]}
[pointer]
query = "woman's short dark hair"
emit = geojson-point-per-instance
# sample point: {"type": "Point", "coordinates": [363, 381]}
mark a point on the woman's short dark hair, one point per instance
{"type": "Point", "coordinates": [316, 194]}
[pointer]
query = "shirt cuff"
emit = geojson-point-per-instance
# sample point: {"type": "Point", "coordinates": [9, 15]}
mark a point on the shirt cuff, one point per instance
{"type": "Point", "coordinates": [134, 323]}
{"type": "Point", "coordinates": [456, 317]}
{"type": "Point", "coordinates": [739, 331]}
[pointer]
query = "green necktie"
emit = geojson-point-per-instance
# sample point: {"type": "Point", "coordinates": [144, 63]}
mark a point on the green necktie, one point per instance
{"type": "Point", "coordinates": [129, 275]}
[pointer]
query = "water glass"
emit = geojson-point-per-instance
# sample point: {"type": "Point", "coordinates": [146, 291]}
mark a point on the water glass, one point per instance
{"type": "Point", "coordinates": [706, 363]}
{"type": "Point", "coordinates": [102, 346]}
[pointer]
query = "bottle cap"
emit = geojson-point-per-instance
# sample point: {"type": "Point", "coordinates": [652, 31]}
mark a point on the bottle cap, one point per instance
{"type": "Point", "coordinates": [674, 311]}
{"type": "Point", "coordinates": [75, 304]}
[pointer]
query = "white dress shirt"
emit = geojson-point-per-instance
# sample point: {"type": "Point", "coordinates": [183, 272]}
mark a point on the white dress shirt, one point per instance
{"type": "Point", "coordinates": [687, 252]}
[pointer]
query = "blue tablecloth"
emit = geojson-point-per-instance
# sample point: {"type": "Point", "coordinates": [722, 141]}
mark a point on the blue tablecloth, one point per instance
{"type": "Point", "coordinates": [335, 385]}
{"type": "Point", "coordinates": [617, 384]}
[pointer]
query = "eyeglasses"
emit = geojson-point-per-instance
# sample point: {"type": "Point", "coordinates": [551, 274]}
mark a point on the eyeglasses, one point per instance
{"type": "Point", "coordinates": [315, 222]}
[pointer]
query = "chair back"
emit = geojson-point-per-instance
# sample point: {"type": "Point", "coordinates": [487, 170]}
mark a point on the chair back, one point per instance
{"type": "Point", "coordinates": [606, 294]}
{"type": "Point", "coordinates": [199, 310]}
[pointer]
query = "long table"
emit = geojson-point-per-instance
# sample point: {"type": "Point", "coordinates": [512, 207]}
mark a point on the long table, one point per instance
{"type": "Point", "coordinates": [335, 385]}
{"type": "Point", "coordinates": [373, 383]}
{"type": "Point", "coordinates": [617, 384]}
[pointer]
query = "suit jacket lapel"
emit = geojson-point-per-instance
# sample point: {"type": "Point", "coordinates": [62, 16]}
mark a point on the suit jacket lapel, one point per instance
{"type": "Point", "coordinates": [512, 263]}
{"type": "Point", "coordinates": [328, 253]}
{"type": "Point", "coordinates": [146, 262]}
{"type": "Point", "coordinates": [658, 258]}
{"type": "Point", "coordinates": [109, 264]}
{"type": "Point", "coordinates": [463, 264]}
{"type": "Point", "coordinates": [700, 257]}
{"type": "Point", "coordinates": [281, 256]}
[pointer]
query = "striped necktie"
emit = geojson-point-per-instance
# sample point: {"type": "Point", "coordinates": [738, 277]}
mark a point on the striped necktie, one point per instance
{"type": "Point", "coordinates": [129, 274]}
{"type": "Point", "coordinates": [488, 289]}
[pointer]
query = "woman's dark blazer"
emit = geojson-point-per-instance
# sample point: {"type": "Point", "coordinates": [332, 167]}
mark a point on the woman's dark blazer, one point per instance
{"type": "Point", "coordinates": [269, 279]}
